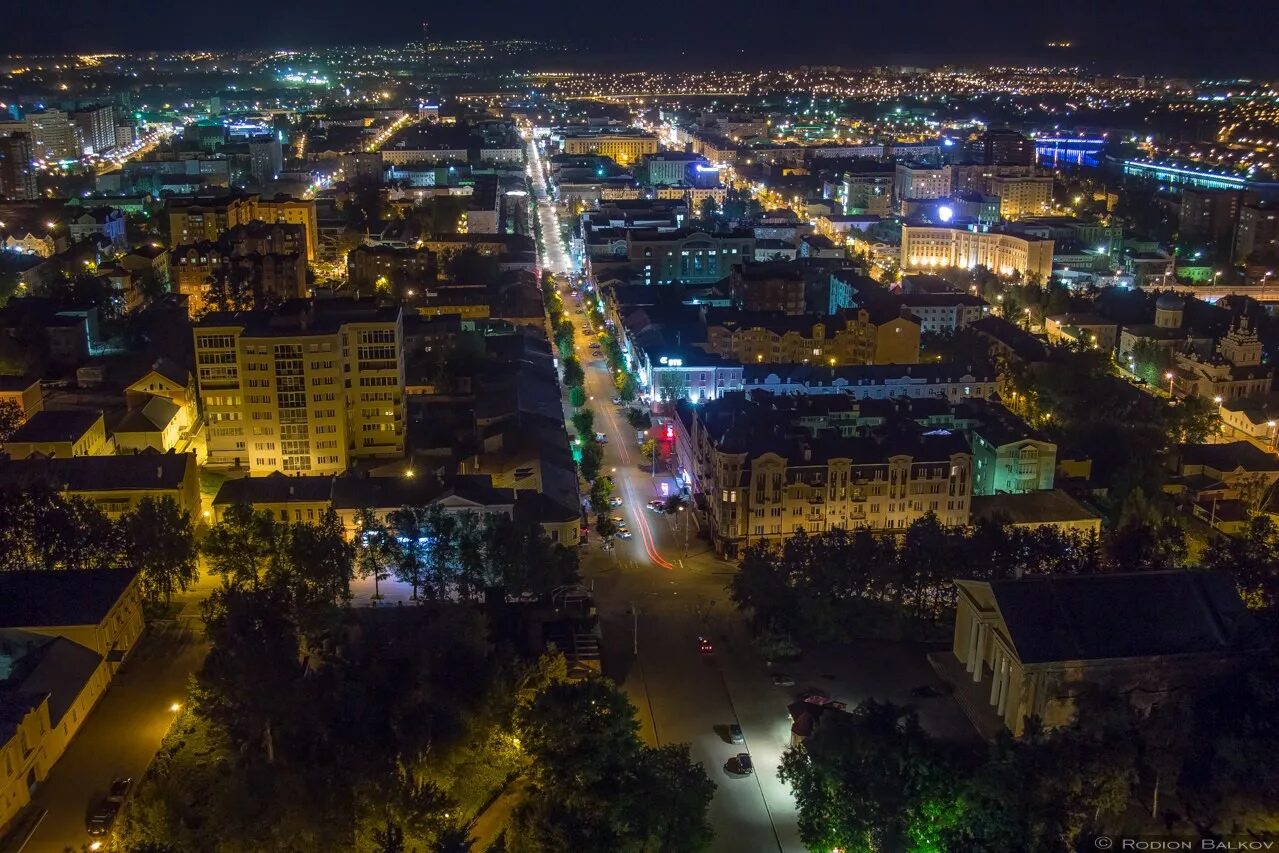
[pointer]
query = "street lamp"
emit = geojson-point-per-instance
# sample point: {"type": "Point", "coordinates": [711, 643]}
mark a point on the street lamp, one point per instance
{"type": "Point", "coordinates": [1169, 377]}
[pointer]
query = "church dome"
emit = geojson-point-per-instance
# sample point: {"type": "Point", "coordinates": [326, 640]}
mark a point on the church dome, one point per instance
{"type": "Point", "coordinates": [1170, 302]}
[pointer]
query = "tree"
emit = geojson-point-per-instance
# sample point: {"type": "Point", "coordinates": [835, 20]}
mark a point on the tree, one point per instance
{"type": "Point", "coordinates": [1043, 791]}
{"type": "Point", "coordinates": [39, 529]}
{"type": "Point", "coordinates": [639, 419]}
{"type": "Point", "coordinates": [1253, 560]}
{"type": "Point", "coordinates": [709, 209]}
{"type": "Point", "coordinates": [374, 551]}
{"type": "Point", "coordinates": [441, 528]}
{"type": "Point", "coordinates": [158, 543]}
{"type": "Point", "coordinates": [10, 419]}
{"type": "Point", "coordinates": [605, 527]}
{"type": "Point", "coordinates": [409, 536]}
{"type": "Point", "coordinates": [470, 267]}
{"type": "Point", "coordinates": [592, 459]}
{"type": "Point", "coordinates": [601, 492]}
{"type": "Point", "coordinates": [247, 683]}
{"type": "Point", "coordinates": [584, 423]}
{"type": "Point", "coordinates": [321, 562]}
{"type": "Point", "coordinates": [573, 375]}
{"type": "Point", "coordinates": [241, 547]}
{"type": "Point", "coordinates": [671, 385]}
{"type": "Point", "coordinates": [871, 779]}
{"type": "Point", "coordinates": [472, 562]}
{"type": "Point", "coordinates": [673, 795]}
{"type": "Point", "coordinates": [595, 787]}
{"type": "Point", "coordinates": [577, 396]}
{"type": "Point", "coordinates": [624, 382]}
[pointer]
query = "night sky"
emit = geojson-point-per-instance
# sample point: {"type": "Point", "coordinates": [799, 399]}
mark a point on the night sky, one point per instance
{"type": "Point", "coordinates": [1176, 36]}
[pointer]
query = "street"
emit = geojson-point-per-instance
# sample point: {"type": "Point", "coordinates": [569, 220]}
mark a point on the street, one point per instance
{"type": "Point", "coordinates": [122, 734]}
{"type": "Point", "coordinates": [682, 696]}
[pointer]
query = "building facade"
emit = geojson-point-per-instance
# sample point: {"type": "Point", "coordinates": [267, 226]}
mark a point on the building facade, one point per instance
{"type": "Point", "coordinates": [1005, 254]}
{"type": "Point", "coordinates": [307, 388]}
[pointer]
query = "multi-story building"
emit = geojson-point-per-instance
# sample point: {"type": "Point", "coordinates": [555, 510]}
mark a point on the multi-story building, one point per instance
{"type": "Point", "coordinates": [944, 313]}
{"type": "Point", "coordinates": [266, 158]}
{"type": "Point", "coordinates": [1022, 196]}
{"type": "Point", "coordinates": [370, 267]}
{"type": "Point", "coordinates": [1008, 456]}
{"type": "Point", "coordinates": [766, 473]}
{"type": "Point", "coordinates": [976, 177]}
{"type": "Point", "coordinates": [17, 177]}
{"type": "Point", "coordinates": [624, 148]}
{"type": "Point", "coordinates": [272, 277]}
{"type": "Point", "coordinates": [55, 136]}
{"type": "Point", "coordinates": [1002, 253]}
{"type": "Point", "coordinates": [953, 382]}
{"type": "Point", "coordinates": [998, 146]}
{"type": "Point", "coordinates": [687, 256]}
{"type": "Point", "coordinates": [774, 286]}
{"type": "Point", "coordinates": [60, 434]}
{"type": "Point", "coordinates": [1209, 215]}
{"type": "Point", "coordinates": [309, 387]}
{"type": "Point", "coordinates": [862, 335]}
{"type": "Point", "coordinates": [97, 127]}
{"type": "Point", "coordinates": [198, 218]}
{"type": "Point", "coordinates": [916, 181]}
{"type": "Point", "coordinates": [1257, 234]}
{"type": "Point", "coordinates": [669, 168]}
{"type": "Point", "coordinates": [868, 193]}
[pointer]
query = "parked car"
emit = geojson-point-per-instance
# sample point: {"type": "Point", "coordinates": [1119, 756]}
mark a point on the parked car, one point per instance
{"type": "Point", "coordinates": [614, 502]}
{"type": "Point", "coordinates": [781, 679]}
{"type": "Point", "coordinates": [101, 818]}
{"type": "Point", "coordinates": [601, 438]}
{"type": "Point", "coordinates": [624, 534]}
{"type": "Point", "coordinates": [740, 764]}
{"type": "Point", "coordinates": [705, 646]}
{"type": "Point", "coordinates": [735, 734]}
{"type": "Point", "coordinates": [119, 789]}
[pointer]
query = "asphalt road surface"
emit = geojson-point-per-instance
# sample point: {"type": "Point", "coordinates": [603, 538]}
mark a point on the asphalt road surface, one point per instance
{"type": "Point", "coordinates": [122, 734]}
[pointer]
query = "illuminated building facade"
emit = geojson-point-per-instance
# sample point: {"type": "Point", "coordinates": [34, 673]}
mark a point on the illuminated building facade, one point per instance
{"type": "Point", "coordinates": [1022, 196]}
{"type": "Point", "coordinates": [624, 148]}
{"type": "Point", "coordinates": [927, 247]}
{"type": "Point", "coordinates": [306, 388]}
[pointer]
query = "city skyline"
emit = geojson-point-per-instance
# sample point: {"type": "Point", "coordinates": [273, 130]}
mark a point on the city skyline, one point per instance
{"type": "Point", "coordinates": [1141, 37]}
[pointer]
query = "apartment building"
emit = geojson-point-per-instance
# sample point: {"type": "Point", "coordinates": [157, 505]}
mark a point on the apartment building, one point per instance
{"type": "Point", "coordinates": [1022, 195]}
{"type": "Point", "coordinates": [194, 219]}
{"type": "Point", "coordinates": [915, 181]}
{"type": "Point", "coordinates": [766, 474]}
{"type": "Point", "coordinates": [309, 387]}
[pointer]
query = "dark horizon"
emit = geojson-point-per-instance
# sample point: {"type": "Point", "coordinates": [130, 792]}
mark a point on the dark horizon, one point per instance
{"type": "Point", "coordinates": [1170, 38]}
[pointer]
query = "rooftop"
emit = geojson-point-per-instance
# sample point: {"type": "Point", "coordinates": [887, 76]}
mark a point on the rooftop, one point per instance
{"type": "Point", "coordinates": [58, 425]}
{"type": "Point", "coordinates": [1106, 617]}
{"type": "Point", "coordinates": [45, 598]}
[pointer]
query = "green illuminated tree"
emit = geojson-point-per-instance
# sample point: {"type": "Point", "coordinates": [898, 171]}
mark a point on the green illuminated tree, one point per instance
{"type": "Point", "coordinates": [872, 780]}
